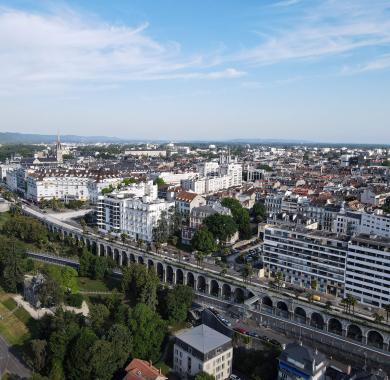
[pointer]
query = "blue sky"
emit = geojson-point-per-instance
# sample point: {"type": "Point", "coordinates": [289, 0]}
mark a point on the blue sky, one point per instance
{"type": "Point", "coordinates": [286, 69]}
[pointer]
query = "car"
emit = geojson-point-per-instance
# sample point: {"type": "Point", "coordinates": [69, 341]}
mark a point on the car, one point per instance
{"type": "Point", "coordinates": [253, 334]}
{"type": "Point", "coordinates": [234, 377]}
{"type": "Point", "coordinates": [240, 330]}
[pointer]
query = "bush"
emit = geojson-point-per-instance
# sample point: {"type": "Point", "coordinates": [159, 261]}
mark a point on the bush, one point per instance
{"type": "Point", "coordinates": [74, 300]}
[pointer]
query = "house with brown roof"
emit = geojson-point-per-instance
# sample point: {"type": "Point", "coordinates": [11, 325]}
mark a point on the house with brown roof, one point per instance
{"type": "Point", "coordinates": [185, 201]}
{"type": "Point", "coordinates": [142, 370]}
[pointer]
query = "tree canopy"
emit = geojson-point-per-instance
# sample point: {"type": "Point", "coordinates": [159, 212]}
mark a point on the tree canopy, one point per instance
{"type": "Point", "coordinates": [203, 241]}
{"type": "Point", "coordinates": [221, 226]}
{"type": "Point", "coordinates": [148, 331]}
{"type": "Point", "coordinates": [240, 216]}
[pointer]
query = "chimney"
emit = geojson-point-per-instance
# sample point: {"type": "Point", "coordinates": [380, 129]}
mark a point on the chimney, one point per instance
{"type": "Point", "coordinates": [150, 363]}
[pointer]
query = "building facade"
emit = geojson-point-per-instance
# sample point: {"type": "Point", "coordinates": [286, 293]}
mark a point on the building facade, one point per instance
{"type": "Point", "coordinates": [303, 256]}
{"type": "Point", "coordinates": [202, 349]}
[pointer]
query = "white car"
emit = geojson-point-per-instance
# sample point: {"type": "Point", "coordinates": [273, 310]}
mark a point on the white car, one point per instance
{"type": "Point", "coordinates": [234, 377]}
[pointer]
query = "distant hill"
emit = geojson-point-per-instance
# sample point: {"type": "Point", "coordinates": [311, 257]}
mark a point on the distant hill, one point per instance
{"type": "Point", "coordinates": [30, 138]}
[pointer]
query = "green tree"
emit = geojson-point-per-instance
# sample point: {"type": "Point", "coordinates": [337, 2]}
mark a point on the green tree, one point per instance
{"type": "Point", "coordinates": [37, 354]}
{"type": "Point", "coordinates": [50, 293]}
{"type": "Point", "coordinates": [140, 285]}
{"type": "Point", "coordinates": [148, 331]}
{"type": "Point", "coordinates": [204, 241]}
{"type": "Point", "coordinates": [240, 216]}
{"type": "Point", "coordinates": [103, 365]}
{"type": "Point", "coordinates": [159, 181]}
{"type": "Point", "coordinates": [98, 315]}
{"type": "Point", "coordinates": [177, 303]}
{"type": "Point", "coordinates": [278, 280]}
{"type": "Point", "coordinates": [122, 344]}
{"type": "Point", "coordinates": [247, 272]}
{"type": "Point", "coordinates": [78, 362]}
{"type": "Point", "coordinates": [377, 318]}
{"type": "Point", "coordinates": [387, 310]}
{"type": "Point", "coordinates": [221, 226]}
{"type": "Point", "coordinates": [12, 266]}
{"type": "Point", "coordinates": [259, 212]}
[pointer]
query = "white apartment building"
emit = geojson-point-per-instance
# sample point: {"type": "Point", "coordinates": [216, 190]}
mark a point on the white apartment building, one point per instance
{"type": "Point", "coordinates": [376, 223]}
{"type": "Point", "coordinates": [134, 210]}
{"type": "Point", "coordinates": [202, 349]}
{"type": "Point", "coordinates": [7, 167]}
{"type": "Point", "coordinates": [368, 270]}
{"type": "Point", "coordinates": [303, 255]}
{"type": "Point", "coordinates": [66, 184]}
{"type": "Point", "coordinates": [213, 176]}
{"type": "Point", "coordinates": [347, 222]}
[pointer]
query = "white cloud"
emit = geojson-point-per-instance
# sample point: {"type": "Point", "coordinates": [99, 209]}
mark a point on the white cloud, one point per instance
{"type": "Point", "coordinates": [67, 49]}
{"type": "Point", "coordinates": [379, 63]}
{"type": "Point", "coordinates": [286, 3]}
{"type": "Point", "coordinates": [331, 28]}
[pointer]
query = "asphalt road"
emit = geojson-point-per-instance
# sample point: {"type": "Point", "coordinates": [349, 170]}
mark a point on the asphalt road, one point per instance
{"type": "Point", "coordinates": [10, 363]}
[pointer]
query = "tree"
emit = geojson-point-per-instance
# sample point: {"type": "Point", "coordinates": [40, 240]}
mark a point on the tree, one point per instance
{"type": "Point", "coordinates": [78, 362]}
{"type": "Point", "coordinates": [314, 284]}
{"type": "Point", "coordinates": [177, 303]}
{"type": "Point", "coordinates": [12, 266]}
{"type": "Point", "coordinates": [221, 226]}
{"type": "Point", "coordinates": [387, 310]}
{"type": "Point", "coordinates": [259, 212]}
{"type": "Point", "coordinates": [122, 343]}
{"type": "Point", "coordinates": [240, 216]}
{"type": "Point", "coordinates": [124, 237]}
{"type": "Point", "coordinates": [50, 293]}
{"type": "Point", "coordinates": [38, 354]}
{"type": "Point", "coordinates": [102, 364]}
{"type": "Point", "coordinates": [204, 376]}
{"type": "Point", "coordinates": [159, 181]}
{"type": "Point", "coordinates": [328, 305]}
{"type": "Point", "coordinates": [203, 241]}
{"type": "Point", "coordinates": [199, 255]}
{"type": "Point", "coordinates": [377, 318]}
{"type": "Point", "coordinates": [98, 315]}
{"type": "Point", "coordinates": [140, 285]}
{"type": "Point", "coordinates": [278, 279]}
{"type": "Point", "coordinates": [352, 301]}
{"type": "Point", "coordinates": [247, 272]}
{"type": "Point", "coordinates": [148, 331]}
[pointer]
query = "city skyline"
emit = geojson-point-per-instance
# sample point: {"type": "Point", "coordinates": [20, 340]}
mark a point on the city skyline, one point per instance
{"type": "Point", "coordinates": [294, 70]}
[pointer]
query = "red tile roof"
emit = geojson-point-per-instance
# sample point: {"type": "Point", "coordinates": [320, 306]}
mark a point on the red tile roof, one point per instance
{"type": "Point", "coordinates": [186, 196]}
{"type": "Point", "coordinates": [142, 370]}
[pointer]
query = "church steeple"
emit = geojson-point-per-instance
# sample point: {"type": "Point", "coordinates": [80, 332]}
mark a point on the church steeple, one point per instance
{"type": "Point", "coordinates": [58, 149]}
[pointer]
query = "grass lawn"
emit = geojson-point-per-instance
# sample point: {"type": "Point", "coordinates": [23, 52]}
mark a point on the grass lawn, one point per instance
{"type": "Point", "coordinates": [13, 329]}
{"type": "Point", "coordinates": [106, 285]}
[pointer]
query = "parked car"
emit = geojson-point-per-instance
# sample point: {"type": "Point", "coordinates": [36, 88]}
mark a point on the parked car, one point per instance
{"type": "Point", "coordinates": [234, 377]}
{"type": "Point", "coordinates": [240, 330]}
{"type": "Point", "coordinates": [253, 334]}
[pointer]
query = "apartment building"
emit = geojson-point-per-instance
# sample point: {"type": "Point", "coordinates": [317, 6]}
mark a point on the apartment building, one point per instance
{"type": "Point", "coordinates": [202, 349]}
{"type": "Point", "coordinates": [186, 201]}
{"type": "Point", "coordinates": [368, 270]}
{"type": "Point", "coordinates": [65, 184]}
{"type": "Point", "coordinates": [377, 223]}
{"type": "Point", "coordinates": [134, 210]}
{"type": "Point", "coordinates": [303, 255]}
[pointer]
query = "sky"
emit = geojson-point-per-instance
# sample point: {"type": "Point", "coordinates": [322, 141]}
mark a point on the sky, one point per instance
{"type": "Point", "coordinates": [210, 70]}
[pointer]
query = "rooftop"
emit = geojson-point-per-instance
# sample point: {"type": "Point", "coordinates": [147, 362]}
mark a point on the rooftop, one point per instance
{"type": "Point", "coordinates": [203, 338]}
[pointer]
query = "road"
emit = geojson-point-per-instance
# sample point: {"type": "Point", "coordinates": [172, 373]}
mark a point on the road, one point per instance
{"type": "Point", "coordinates": [10, 363]}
